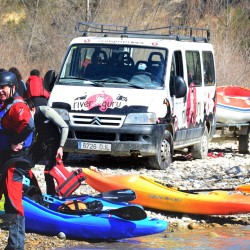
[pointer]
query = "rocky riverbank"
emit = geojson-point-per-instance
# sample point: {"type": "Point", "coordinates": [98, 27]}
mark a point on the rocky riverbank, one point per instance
{"type": "Point", "coordinates": [224, 168]}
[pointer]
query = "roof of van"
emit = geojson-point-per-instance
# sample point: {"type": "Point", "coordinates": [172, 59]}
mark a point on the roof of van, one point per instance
{"type": "Point", "coordinates": [160, 43]}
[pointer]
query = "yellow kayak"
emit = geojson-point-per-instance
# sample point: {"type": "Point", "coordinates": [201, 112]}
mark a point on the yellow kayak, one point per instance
{"type": "Point", "coordinates": [151, 194]}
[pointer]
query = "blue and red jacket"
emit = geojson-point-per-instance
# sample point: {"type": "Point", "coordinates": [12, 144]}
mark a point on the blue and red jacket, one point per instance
{"type": "Point", "coordinates": [17, 124]}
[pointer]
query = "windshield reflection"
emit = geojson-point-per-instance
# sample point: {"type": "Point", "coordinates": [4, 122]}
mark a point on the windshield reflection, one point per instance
{"type": "Point", "coordinates": [112, 65]}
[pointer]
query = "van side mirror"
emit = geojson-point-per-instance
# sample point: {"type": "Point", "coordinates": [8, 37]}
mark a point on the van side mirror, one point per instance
{"type": "Point", "coordinates": [180, 87]}
{"type": "Point", "coordinates": [49, 80]}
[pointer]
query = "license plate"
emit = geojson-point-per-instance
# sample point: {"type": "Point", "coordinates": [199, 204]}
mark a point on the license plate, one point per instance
{"type": "Point", "coordinates": [94, 146]}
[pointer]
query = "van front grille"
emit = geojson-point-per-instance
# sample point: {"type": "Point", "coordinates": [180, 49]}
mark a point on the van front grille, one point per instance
{"type": "Point", "coordinates": [86, 120]}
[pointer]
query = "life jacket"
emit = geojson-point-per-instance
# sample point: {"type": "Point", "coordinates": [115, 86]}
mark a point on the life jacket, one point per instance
{"type": "Point", "coordinates": [16, 117]}
{"type": "Point", "coordinates": [35, 87]}
{"type": "Point", "coordinates": [67, 182]}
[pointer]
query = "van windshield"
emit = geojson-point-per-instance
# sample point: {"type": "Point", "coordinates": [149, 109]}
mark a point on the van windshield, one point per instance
{"type": "Point", "coordinates": [112, 65]}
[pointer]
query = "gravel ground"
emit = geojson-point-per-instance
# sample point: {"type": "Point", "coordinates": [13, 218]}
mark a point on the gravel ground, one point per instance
{"type": "Point", "coordinates": [224, 168]}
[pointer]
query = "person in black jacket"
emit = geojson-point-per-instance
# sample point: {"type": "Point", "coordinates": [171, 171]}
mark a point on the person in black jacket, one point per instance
{"type": "Point", "coordinates": [51, 132]}
{"type": "Point", "coordinates": [21, 86]}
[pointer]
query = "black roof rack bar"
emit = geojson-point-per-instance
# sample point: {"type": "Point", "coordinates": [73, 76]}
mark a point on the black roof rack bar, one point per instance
{"type": "Point", "coordinates": [174, 32]}
{"type": "Point", "coordinates": [100, 28]}
{"type": "Point", "coordinates": [190, 31]}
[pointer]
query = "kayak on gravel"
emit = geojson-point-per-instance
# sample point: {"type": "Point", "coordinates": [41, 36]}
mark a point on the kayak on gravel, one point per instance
{"type": "Point", "coordinates": [154, 194]}
{"type": "Point", "coordinates": [112, 222]}
{"type": "Point", "coordinates": [99, 220]}
{"type": "Point", "coordinates": [82, 217]}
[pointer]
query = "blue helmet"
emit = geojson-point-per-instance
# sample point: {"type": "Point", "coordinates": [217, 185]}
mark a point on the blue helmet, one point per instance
{"type": "Point", "coordinates": [8, 78]}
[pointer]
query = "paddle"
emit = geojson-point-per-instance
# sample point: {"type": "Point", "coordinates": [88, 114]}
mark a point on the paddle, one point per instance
{"type": "Point", "coordinates": [6, 220]}
{"type": "Point", "coordinates": [119, 195]}
{"type": "Point", "coordinates": [78, 207]}
{"type": "Point", "coordinates": [126, 213]}
{"type": "Point", "coordinates": [242, 188]}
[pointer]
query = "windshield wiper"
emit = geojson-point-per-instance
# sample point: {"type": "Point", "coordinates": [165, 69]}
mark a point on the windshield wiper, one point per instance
{"type": "Point", "coordinates": [118, 80]}
{"type": "Point", "coordinates": [75, 77]}
{"type": "Point", "coordinates": [112, 80]}
{"type": "Point", "coordinates": [135, 86]}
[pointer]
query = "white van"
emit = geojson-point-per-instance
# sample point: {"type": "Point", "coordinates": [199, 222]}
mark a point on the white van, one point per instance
{"type": "Point", "coordinates": [135, 93]}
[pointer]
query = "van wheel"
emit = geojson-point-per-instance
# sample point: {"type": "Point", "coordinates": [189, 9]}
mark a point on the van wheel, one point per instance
{"type": "Point", "coordinates": [200, 150]}
{"type": "Point", "coordinates": [164, 156]}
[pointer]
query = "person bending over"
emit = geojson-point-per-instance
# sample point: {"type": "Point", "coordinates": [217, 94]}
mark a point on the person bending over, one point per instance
{"type": "Point", "coordinates": [50, 137]}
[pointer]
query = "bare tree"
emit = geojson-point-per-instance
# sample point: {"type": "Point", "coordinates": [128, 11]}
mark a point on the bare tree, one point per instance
{"type": "Point", "coordinates": [37, 33]}
{"type": "Point", "coordinates": [33, 29]}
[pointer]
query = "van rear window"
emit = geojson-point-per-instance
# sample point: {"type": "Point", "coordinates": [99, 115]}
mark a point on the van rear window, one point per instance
{"type": "Point", "coordinates": [208, 68]}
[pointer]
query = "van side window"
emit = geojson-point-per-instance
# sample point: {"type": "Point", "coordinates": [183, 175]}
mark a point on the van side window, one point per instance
{"type": "Point", "coordinates": [176, 70]}
{"type": "Point", "coordinates": [172, 77]}
{"type": "Point", "coordinates": [208, 68]}
{"type": "Point", "coordinates": [193, 68]}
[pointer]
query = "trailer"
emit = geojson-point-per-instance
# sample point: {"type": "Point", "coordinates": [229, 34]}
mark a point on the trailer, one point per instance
{"type": "Point", "coordinates": [239, 132]}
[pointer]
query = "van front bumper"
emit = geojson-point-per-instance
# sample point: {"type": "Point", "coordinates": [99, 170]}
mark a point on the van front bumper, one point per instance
{"type": "Point", "coordinates": [128, 140]}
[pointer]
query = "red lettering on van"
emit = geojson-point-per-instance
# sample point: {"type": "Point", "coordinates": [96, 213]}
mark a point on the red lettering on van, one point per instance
{"type": "Point", "coordinates": [191, 105]}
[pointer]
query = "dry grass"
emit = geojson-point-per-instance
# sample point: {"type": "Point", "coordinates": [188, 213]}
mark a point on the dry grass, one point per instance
{"type": "Point", "coordinates": [37, 33]}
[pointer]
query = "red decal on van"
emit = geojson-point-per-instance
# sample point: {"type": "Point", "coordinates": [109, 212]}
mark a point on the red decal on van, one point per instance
{"type": "Point", "coordinates": [102, 100]}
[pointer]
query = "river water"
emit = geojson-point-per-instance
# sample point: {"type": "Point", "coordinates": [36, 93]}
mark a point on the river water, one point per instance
{"type": "Point", "coordinates": [233, 238]}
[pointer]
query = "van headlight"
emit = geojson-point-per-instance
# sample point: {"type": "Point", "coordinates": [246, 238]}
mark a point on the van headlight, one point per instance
{"type": "Point", "coordinates": [63, 113]}
{"type": "Point", "coordinates": [140, 118]}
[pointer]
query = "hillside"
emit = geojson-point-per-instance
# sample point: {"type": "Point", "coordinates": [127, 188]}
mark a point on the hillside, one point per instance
{"type": "Point", "coordinates": [36, 33]}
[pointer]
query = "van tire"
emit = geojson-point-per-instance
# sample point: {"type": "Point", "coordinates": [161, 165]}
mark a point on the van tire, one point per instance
{"type": "Point", "coordinates": [164, 156]}
{"type": "Point", "coordinates": [200, 150]}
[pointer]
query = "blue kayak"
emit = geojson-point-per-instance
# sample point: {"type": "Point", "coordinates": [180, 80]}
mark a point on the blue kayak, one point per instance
{"type": "Point", "coordinates": [105, 225]}
{"type": "Point", "coordinates": [112, 220]}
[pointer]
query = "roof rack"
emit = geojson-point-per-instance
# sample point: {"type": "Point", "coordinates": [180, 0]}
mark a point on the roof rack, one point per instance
{"type": "Point", "coordinates": [179, 33]}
